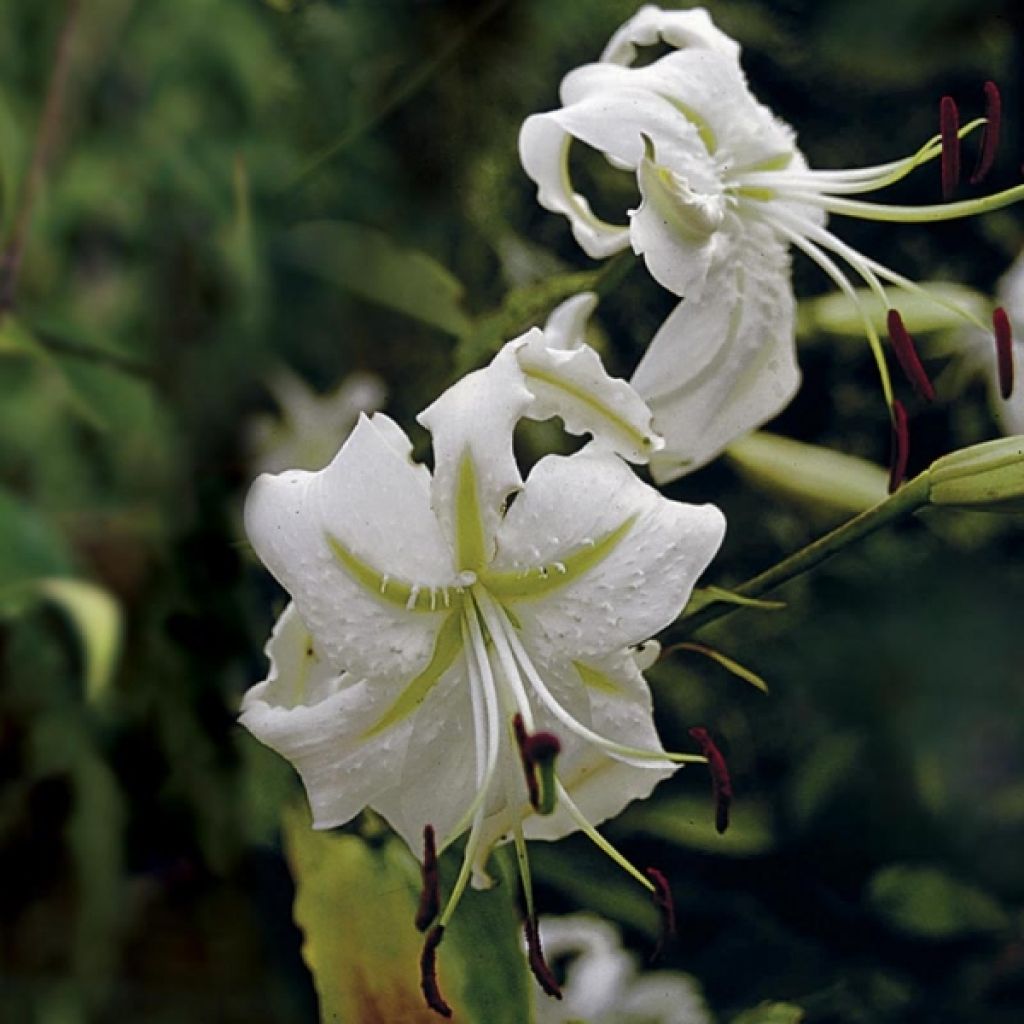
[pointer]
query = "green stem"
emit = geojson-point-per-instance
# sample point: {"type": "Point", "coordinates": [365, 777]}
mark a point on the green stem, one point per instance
{"type": "Point", "coordinates": [907, 500]}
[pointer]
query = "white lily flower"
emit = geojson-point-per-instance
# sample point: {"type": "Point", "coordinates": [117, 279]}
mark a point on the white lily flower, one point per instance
{"type": "Point", "coordinates": [725, 192]}
{"type": "Point", "coordinates": [305, 433]}
{"type": "Point", "coordinates": [603, 985]}
{"type": "Point", "coordinates": [442, 644]}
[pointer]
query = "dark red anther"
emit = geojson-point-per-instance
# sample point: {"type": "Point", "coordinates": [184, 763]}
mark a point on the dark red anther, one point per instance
{"type": "Point", "coordinates": [721, 784]}
{"type": "Point", "coordinates": [900, 445]}
{"type": "Point", "coordinates": [428, 973]}
{"type": "Point", "coordinates": [949, 129]}
{"type": "Point", "coordinates": [990, 133]}
{"type": "Point", "coordinates": [662, 897]}
{"type": "Point", "coordinates": [430, 894]}
{"type": "Point", "coordinates": [906, 354]}
{"type": "Point", "coordinates": [535, 957]}
{"type": "Point", "coordinates": [1004, 351]}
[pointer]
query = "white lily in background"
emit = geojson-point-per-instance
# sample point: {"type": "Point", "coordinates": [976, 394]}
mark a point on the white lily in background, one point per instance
{"type": "Point", "coordinates": [306, 432]}
{"type": "Point", "coordinates": [725, 192]}
{"type": "Point", "coordinates": [442, 644]}
{"type": "Point", "coordinates": [982, 358]}
{"type": "Point", "coordinates": [603, 985]}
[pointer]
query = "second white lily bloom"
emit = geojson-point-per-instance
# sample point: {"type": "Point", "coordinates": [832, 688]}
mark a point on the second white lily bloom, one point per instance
{"type": "Point", "coordinates": [724, 194]}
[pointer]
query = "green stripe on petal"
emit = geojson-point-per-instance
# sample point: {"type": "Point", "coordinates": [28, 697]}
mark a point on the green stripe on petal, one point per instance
{"type": "Point", "coordinates": [390, 591]}
{"type": "Point", "coordinates": [637, 438]}
{"type": "Point", "coordinates": [446, 649]}
{"type": "Point", "coordinates": [538, 582]}
{"type": "Point", "coordinates": [470, 539]}
{"type": "Point", "coordinates": [597, 680]}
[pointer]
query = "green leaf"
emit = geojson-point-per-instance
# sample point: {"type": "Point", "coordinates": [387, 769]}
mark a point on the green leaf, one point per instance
{"type": "Point", "coordinates": [729, 664]}
{"type": "Point", "coordinates": [484, 939]}
{"type": "Point", "coordinates": [703, 596]}
{"type": "Point", "coordinates": [828, 479]}
{"type": "Point", "coordinates": [771, 1013]}
{"type": "Point", "coordinates": [836, 314]}
{"type": "Point", "coordinates": [369, 264]}
{"type": "Point", "coordinates": [831, 763]}
{"type": "Point", "coordinates": [689, 821]}
{"type": "Point", "coordinates": [925, 901]}
{"type": "Point", "coordinates": [355, 904]}
{"type": "Point", "coordinates": [96, 617]}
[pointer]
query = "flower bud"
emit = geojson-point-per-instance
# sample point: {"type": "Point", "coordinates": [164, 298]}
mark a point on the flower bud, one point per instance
{"type": "Point", "coordinates": [988, 476]}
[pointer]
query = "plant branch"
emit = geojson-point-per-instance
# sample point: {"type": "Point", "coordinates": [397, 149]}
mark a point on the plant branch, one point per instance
{"type": "Point", "coordinates": [45, 142]}
{"type": "Point", "coordinates": [907, 500]}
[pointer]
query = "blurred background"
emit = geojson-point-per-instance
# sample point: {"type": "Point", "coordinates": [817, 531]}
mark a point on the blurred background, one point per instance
{"type": "Point", "coordinates": [229, 224]}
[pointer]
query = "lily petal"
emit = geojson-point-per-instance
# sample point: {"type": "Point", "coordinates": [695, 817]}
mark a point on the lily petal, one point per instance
{"type": "Point", "coordinates": [682, 29]}
{"type": "Point", "coordinates": [322, 721]}
{"type": "Point", "coordinates": [474, 466]}
{"type": "Point", "coordinates": [574, 385]}
{"type": "Point", "coordinates": [431, 780]}
{"type": "Point", "coordinates": [724, 364]}
{"type": "Point", "coordinates": [614, 124]}
{"type": "Point", "coordinates": [565, 327]}
{"type": "Point", "coordinates": [612, 697]}
{"type": "Point", "coordinates": [360, 551]}
{"type": "Point", "coordinates": [590, 559]}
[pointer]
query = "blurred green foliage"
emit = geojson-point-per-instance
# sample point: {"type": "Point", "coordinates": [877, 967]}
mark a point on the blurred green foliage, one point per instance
{"type": "Point", "coordinates": [234, 185]}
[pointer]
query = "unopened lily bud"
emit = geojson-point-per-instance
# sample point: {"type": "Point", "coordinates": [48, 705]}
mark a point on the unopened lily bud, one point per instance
{"type": "Point", "coordinates": [988, 476]}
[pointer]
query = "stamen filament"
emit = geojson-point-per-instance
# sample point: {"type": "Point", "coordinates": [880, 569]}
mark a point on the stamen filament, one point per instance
{"type": "Point", "coordinates": [852, 182]}
{"type": "Point", "coordinates": [620, 751]}
{"type": "Point", "coordinates": [915, 214]}
{"type": "Point", "coordinates": [482, 691]}
{"type": "Point", "coordinates": [839, 278]}
{"type": "Point", "coordinates": [493, 617]}
{"type": "Point", "coordinates": [600, 842]}
{"type": "Point", "coordinates": [535, 952]}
